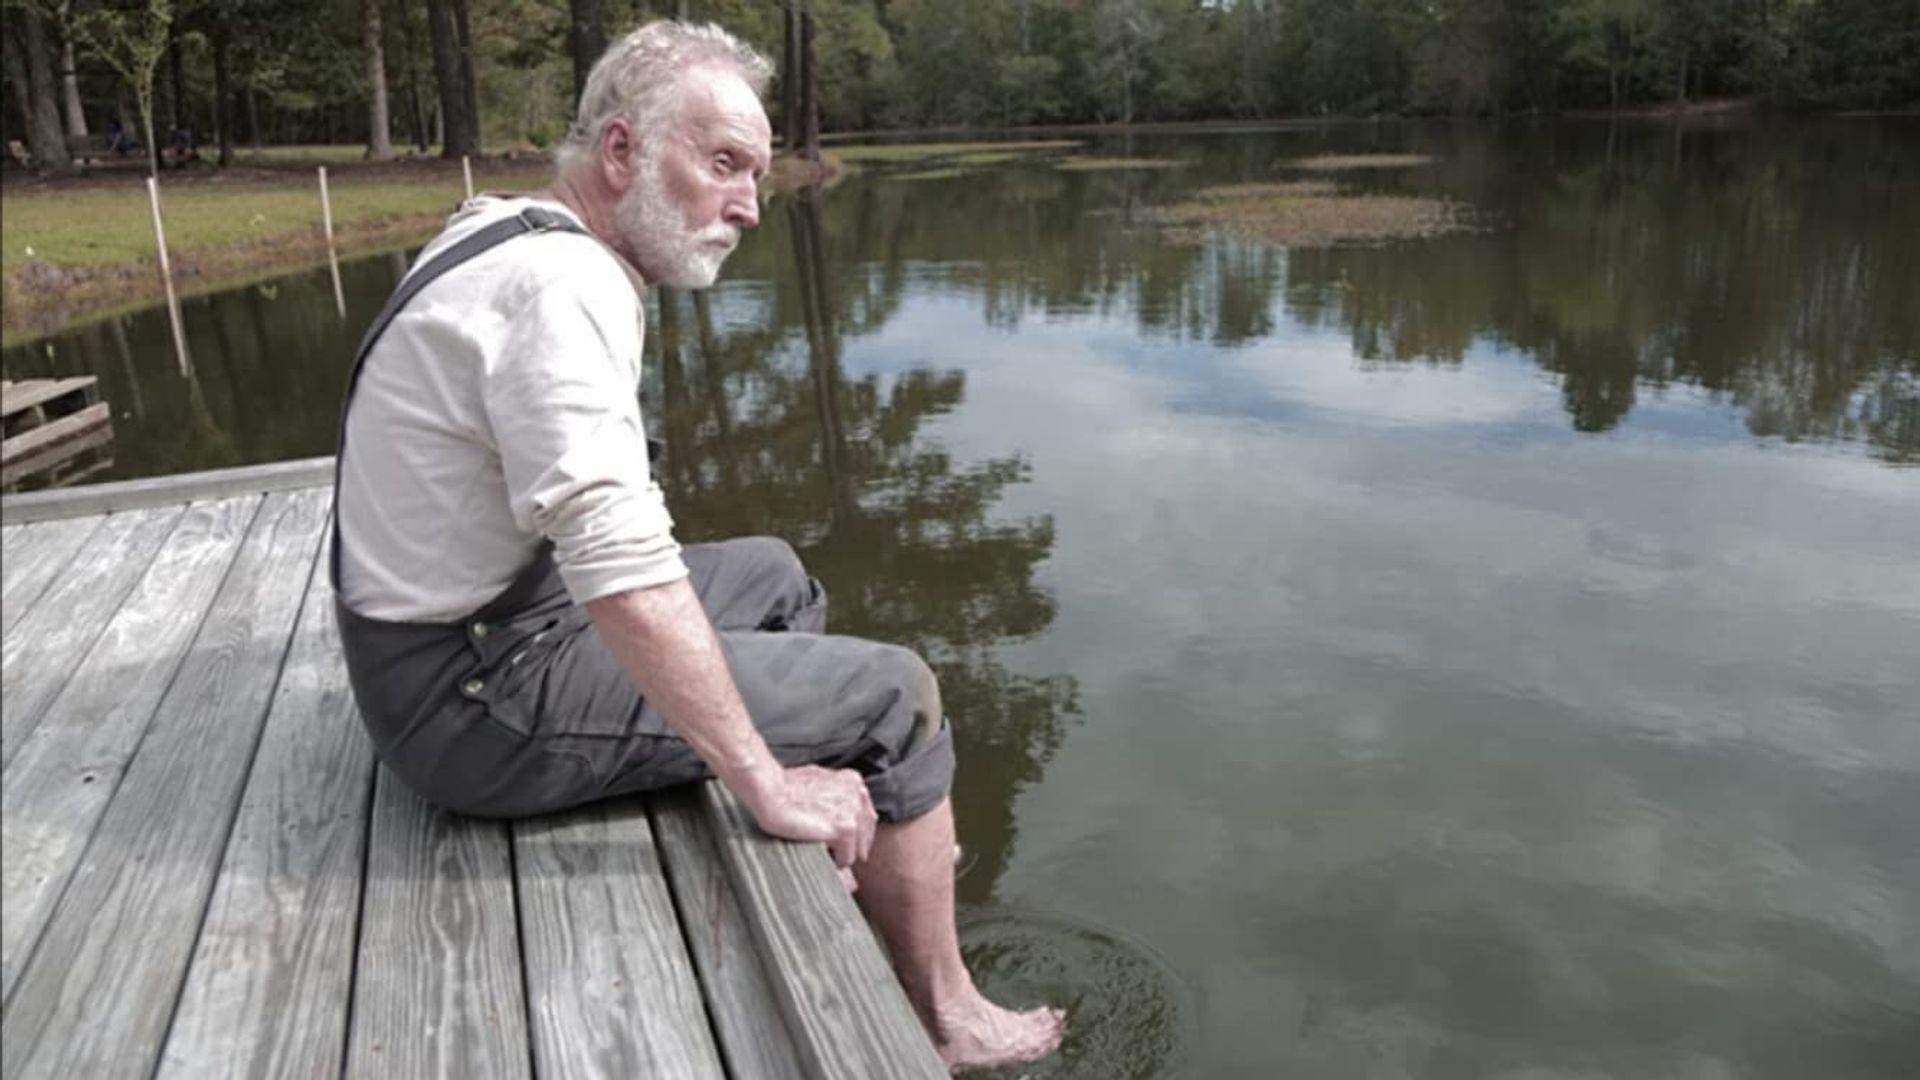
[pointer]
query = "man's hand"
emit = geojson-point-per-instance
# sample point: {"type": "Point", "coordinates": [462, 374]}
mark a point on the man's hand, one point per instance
{"type": "Point", "coordinates": [665, 643]}
{"type": "Point", "coordinates": [809, 802]}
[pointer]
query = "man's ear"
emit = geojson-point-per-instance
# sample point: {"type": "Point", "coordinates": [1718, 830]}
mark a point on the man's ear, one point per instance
{"type": "Point", "coordinates": [618, 144]}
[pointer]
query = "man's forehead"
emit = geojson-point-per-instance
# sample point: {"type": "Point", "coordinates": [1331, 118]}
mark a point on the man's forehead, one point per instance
{"type": "Point", "coordinates": [718, 102]}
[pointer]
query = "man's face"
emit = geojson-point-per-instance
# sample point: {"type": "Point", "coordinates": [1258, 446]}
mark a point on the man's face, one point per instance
{"type": "Point", "coordinates": [696, 187]}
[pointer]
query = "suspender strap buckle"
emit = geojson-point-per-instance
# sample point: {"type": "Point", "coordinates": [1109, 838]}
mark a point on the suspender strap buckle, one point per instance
{"type": "Point", "coordinates": [539, 219]}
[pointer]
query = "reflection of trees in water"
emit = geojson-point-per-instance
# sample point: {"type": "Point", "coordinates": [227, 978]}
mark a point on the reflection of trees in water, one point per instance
{"type": "Point", "coordinates": [269, 363]}
{"type": "Point", "coordinates": [767, 434]}
{"type": "Point", "coordinates": [1771, 269]}
{"type": "Point", "coordinates": [1769, 274]}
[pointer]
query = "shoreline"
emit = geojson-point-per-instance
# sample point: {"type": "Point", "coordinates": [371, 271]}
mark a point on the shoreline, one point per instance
{"type": "Point", "coordinates": [40, 297]}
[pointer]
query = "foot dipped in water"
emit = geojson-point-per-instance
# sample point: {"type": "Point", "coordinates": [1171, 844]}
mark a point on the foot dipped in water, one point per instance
{"type": "Point", "coordinates": [978, 1034]}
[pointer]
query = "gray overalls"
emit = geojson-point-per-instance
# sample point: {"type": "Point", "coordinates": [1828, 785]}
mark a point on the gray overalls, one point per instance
{"type": "Point", "coordinates": [519, 708]}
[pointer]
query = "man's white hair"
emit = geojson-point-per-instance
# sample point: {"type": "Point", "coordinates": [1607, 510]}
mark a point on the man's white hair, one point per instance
{"type": "Point", "coordinates": [639, 79]}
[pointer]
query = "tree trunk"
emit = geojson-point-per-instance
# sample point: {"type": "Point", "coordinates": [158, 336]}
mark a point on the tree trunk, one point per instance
{"type": "Point", "coordinates": [1680, 84]}
{"type": "Point", "coordinates": [809, 92]}
{"type": "Point", "coordinates": [790, 79]}
{"type": "Point", "coordinates": [253, 115]}
{"type": "Point", "coordinates": [44, 135]}
{"type": "Point", "coordinates": [589, 40]}
{"type": "Point", "coordinates": [446, 71]}
{"type": "Point", "coordinates": [70, 85]}
{"type": "Point", "coordinates": [177, 83]}
{"type": "Point", "coordinates": [17, 78]}
{"type": "Point", "coordinates": [223, 91]}
{"type": "Point", "coordinates": [379, 143]}
{"type": "Point", "coordinates": [416, 101]}
{"type": "Point", "coordinates": [468, 82]}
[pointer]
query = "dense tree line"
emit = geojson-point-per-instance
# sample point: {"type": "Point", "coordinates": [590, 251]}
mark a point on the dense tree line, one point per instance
{"type": "Point", "coordinates": [462, 73]}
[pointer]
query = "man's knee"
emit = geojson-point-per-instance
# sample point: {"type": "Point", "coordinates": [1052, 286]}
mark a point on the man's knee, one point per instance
{"type": "Point", "coordinates": [767, 558]}
{"type": "Point", "coordinates": [916, 772]}
{"type": "Point", "coordinates": [919, 700]}
{"type": "Point", "coordinates": [776, 571]}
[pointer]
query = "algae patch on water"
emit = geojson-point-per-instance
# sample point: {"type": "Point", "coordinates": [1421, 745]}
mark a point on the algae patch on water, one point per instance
{"type": "Point", "coordinates": [1102, 164]}
{"type": "Point", "coordinates": [1306, 213]}
{"type": "Point", "coordinates": [1347, 162]}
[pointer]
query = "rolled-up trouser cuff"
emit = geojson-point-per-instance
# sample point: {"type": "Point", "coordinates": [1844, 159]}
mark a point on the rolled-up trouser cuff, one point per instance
{"type": "Point", "coordinates": [917, 782]}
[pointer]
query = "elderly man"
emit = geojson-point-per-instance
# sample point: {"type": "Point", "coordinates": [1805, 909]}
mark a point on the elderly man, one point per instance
{"type": "Point", "coordinates": [523, 632]}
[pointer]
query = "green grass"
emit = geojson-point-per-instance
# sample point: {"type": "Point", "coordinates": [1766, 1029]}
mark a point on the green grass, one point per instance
{"type": "Point", "coordinates": [112, 224]}
{"type": "Point", "coordinates": [318, 154]}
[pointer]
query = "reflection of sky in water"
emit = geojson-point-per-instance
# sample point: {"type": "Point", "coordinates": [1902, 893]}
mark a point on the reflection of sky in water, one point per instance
{"type": "Point", "coordinates": [1303, 375]}
{"type": "Point", "coordinates": [1416, 722]}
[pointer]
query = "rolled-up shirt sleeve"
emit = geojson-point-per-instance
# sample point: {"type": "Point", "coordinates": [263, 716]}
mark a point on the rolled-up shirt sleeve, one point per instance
{"type": "Point", "coordinates": [562, 401]}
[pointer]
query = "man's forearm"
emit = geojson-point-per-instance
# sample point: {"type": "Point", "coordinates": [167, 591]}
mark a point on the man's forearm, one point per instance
{"type": "Point", "coordinates": [666, 644]}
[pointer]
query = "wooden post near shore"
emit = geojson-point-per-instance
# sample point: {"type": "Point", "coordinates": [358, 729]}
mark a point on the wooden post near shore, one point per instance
{"type": "Point", "coordinates": [166, 277]}
{"type": "Point", "coordinates": [333, 256]}
{"type": "Point", "coordinates": [466, 169]}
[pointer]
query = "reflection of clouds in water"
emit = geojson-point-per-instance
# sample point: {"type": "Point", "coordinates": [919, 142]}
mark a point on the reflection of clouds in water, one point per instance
{"type": "Point", "coordinates": [1319, 369]}
{"type": "Point", "coordinates": [1615, 728]}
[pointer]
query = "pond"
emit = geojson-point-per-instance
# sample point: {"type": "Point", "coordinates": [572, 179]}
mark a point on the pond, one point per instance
{"type": "Point", "coordinates": [1493, 653]}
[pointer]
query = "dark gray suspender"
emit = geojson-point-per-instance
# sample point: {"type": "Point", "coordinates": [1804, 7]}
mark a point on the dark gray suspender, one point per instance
{"type": "Point", "coordinates": [531, 220]}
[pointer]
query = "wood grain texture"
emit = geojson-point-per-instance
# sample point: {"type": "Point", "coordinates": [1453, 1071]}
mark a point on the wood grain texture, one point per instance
{"type": "Point", "coordinates": [167, 490]}
{"type": "Point", "coordinates": [96, 998]}
{"type": "Point", "coordinates": [841, 1000]}
{"type": "Point", "coordinates": [753, 1032]}
{"type": "Point", "coordinates": [43, 649]}
{"type": "Point", "coordinates": [34, 555]}
{"type": "Point", "coordinates": [23, 455]}
{"type": "Point", "coordinates": [611, 989]}
{"type": "Point", "coordinates": [267, 992]}
{"type": "Point", "coordinates": [21, 396]}
{"type": "Point", "coordinates": [59, 782]}
{"type": "Point", "coordinates": [437, 990]}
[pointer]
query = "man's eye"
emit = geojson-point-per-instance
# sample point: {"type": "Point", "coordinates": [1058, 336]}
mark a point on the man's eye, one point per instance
{"type": "Point", "coordinates": [723, 163]}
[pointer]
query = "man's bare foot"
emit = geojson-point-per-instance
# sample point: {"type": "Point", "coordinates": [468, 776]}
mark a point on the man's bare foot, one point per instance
{"type": "Point", "coordinates": [981, 1034]}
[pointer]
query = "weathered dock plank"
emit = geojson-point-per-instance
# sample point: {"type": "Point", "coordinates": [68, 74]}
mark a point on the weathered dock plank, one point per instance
{"type": "Point", "coordinates": [167, 490]}
{"type": "Point", "coordinates": [840, 997]}
{"type": "Point", "coordinates": [41, 648]}
{"type": "Point", "coordinates": [611, 990]}
{"type": "Point", "coordinates": [18, 397]}
{"type": "Point", "coordinates": [33, 451]}
{"type": "Point", "coordinates": [753, 1037]}
{"type": "Point", "coordinates": [53, 791]}
{"type": "Point", "coordinates": [437, 987]}
{"type": "Point", "coordinates": [267, 992]}
{"type": "Point", "coordinates": [98, 993]}
{"type": "Point", "coordinates": [34, 555]}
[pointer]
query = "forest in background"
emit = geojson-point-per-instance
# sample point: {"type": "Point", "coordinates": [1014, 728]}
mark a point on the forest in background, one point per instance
{"type": "Point", "coordinates": [462, 75]}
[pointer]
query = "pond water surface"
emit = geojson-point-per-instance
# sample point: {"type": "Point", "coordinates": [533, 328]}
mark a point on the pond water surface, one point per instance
{"type": "Point", "coordinates": [1491, 655]}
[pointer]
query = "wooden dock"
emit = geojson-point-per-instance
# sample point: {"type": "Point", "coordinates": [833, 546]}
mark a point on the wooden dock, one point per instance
{"type": "Point", "coordinates": [207, 874]}
{"type": "Point", "coordinates": [48, 426]}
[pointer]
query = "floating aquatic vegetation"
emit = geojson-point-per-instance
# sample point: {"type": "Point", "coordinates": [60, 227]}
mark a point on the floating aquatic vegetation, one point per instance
{"type": "Point", "coordinates": [1307, 213]}
{"type": "Point", "coordinates": [1101, 164]}
{"type": "Point", "coordinates": [1343, 162]}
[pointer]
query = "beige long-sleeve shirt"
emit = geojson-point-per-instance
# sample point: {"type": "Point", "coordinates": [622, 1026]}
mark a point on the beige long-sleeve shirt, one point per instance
{"type": "Point", "coordinates": [500, 407]}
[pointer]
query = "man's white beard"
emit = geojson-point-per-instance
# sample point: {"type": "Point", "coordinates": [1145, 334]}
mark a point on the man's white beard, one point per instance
{"type": "Point", "coordinates": [666, 249]}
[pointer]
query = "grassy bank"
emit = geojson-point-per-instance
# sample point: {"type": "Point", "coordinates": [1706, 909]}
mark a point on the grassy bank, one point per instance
{"type": "Point", "coordinates": [77, 247]}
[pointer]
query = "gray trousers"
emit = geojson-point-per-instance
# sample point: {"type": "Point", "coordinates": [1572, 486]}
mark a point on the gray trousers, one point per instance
{"type": "Point", "coordinates": [521, 709]}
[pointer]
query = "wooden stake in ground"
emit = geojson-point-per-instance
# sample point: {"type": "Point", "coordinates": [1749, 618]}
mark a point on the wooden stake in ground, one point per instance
{"type": "Point", "coordinates": [333, 256]}
{"type": "Point", "coordinates": [466, 169]}
{"type": "Point", "coordinates": [166, 277]}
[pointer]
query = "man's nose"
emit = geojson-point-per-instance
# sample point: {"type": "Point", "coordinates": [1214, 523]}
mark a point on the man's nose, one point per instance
{"type": "Point", "coordinates": [743, 211]}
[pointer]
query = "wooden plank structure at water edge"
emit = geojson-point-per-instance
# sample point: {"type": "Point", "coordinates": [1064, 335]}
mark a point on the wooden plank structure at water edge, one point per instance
{"type": "Point", "coordinates": [47, 426]}
{"type": "Point", "coordinates": [208, 875]}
